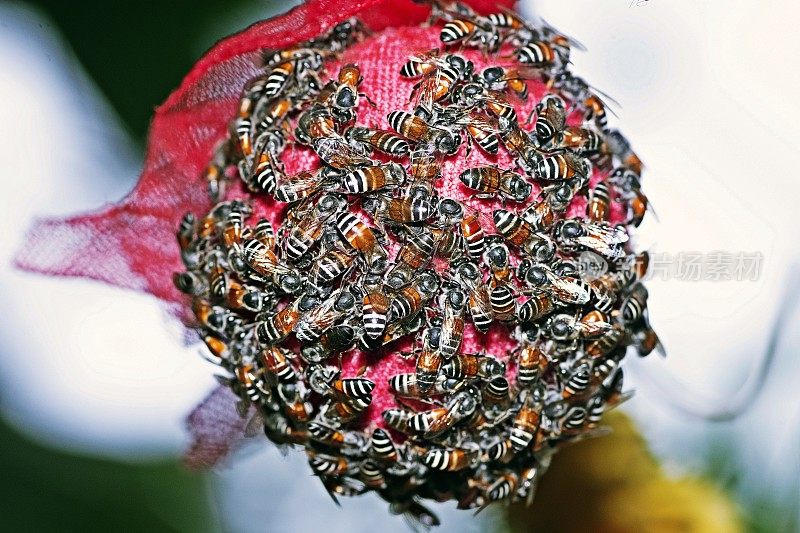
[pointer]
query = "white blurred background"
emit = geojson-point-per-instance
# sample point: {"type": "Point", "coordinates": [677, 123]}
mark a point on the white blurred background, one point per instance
{"type": "Point", "coordinates": [707, 94]}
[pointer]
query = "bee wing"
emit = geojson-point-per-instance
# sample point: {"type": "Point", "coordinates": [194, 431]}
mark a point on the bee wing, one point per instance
{"type": "Point", "coordinates": [523, 73]}
{"type": "Point", "coordinates": [568, 290]}
{"type": "Point", "coordinates": [594, 329]}
{"type": "Point", "coordinates": [609, 250]}
{"type": "Point", "coordinates": [339, 154]}
{"type": "Point", "coordinates": [255, 426]}
{"type": "Point", "coordinates": [610, 234]}
{"type": "Point", "coordinates": [482, 121]}
{"type": "Point", "coordinates": [480, 301]}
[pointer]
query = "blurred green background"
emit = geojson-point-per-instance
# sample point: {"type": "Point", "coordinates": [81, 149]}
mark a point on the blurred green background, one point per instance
{"type": "Point", "coordinates": [136, 53]}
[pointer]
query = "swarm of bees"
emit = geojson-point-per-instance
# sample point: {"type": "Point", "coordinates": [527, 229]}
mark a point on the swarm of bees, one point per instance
{"type": "Point", "coordinates": [370, 256]}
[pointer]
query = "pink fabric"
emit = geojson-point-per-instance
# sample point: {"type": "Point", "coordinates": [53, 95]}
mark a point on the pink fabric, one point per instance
{"type": "Point", "coordinates": [132, 244]}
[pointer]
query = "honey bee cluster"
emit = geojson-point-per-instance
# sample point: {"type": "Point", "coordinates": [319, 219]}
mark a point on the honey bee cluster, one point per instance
{"type": "Point", "coordinates": [372, 256]}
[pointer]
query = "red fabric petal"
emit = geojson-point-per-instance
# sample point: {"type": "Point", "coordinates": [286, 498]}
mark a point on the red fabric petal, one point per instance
{"type": "Point", "coordinates": [132, 244]}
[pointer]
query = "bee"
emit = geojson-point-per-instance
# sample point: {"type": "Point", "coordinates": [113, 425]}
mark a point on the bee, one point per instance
{"type": "Point", "coordinates": [635, 305]}
{"type": "Point", "coordinates": [314, 124]}
{"type": "Point", "coordinates": [362, 238]}
{"type": "Point", "coordinates": [416, 129]}
{"type": "Point", "coordinates": [382, 448]}
{"type": "Point", "coordinates": [278, 326]}
{"type": "Point", "coordinates": [408, 386]}
{"type": "Point", "coordinates": [646, 340]}
{"type": "Point", "coordinates": [562, 167]}
{"type": "Point", "coordinates": [597, 210]}
{"type": "Point", "coordinates": [551, 118]}
{"type": "Point", "coordinates": [454, 304]}
{"type": "Point", "coordinates": [495, 393]}
{"type": "Point", "coordinates": [345, 411]}
{"type": "Point", "coordinates": [606, 343]}
{"type": "Point", "coordinates": [250, 381]}
{"type": "Point", "coordinates": [496, 258]}
{"type": "Point", "coordinates": [602, 239]}
{"type": "Point", "coordinates": [595, 408]}
{"type": "Point", "coordinates": [219, 348]}
{"type": "Point", "coordinates": [473, 32]}
{"type": "Point", "coordinates": [578, 381]}
{"type": "Point", "coordinates": [450, 459]}
{"type": "Point", "coordinates": [375, 306]}
{"type": "Point", "coordinates": [567, 327]}
{"type": "Point", "coordinates": [574, 420]}
{"type": "Point", "coordinates": [244, 298]}
{"type": "Point", "coordinates": [215, 318]}
{"type": "Point", "coordinates": [436, 85]}
{"type": "Point", "coordinates": [308, 230]}
{"type": "Point", "coordinates": [186, 231]}
{"type": "Point", "coordinates": [491, 181]}
{"type": "Point", "coordinates": [471, 366]}
{"type": "Point", "coordinates": [346, 96]}
{"type": "Point", "coordinates": [418, 517]}
{"type": "Point", "coordinates": [371, 474]}
{"type": "Point", "coordinates": [621, 148]}
{"type": "Point", "coordinates": [431, 424]}
{"type": "Point", "coordinates": [520, 146]}
{"type": "Point", "coordinates": [233, 225]}
{"type": "Point", "coordinates": [275, 361]}
{"type": "Point", "coordinates": [275, 112]}
{"type": "Point", "coordinates": [526, 422]}
{"type": "Point", "coordinates": [278, 78]}
{"type": "Point", "coordinates": [398, 419]}
{"type": "Point", "coordinates": [469, 276]}
{"type": "Point", "coordinates": [374, 178]}
{"type": "Point", "coordinates": [595, 112]}
{"type": "Point", "coordinates": [330, 265]}
{"type": "Point", "coordinates": [582, 141]}
{"type": "Point", "coordinates": [482, 130]}
{"type": "Point", "coordinates": [300, 186]}
{"type": "Point", "coordinates": [320, 319]}
{"type": "Point", "coordinates": [514, 79]}
{"type": "Point", "coordinates": [337, 339]}
{"type": "Point", "coordinates": [566, 289]}
{"type": "Point", "coordinates": [500, 450]}
{"type": "Point", "coordinates": [333, 437]}
{"type": "Point", "coordinates": [405, 209]}
{"type": "Point", "coordinates": [516, 231]}
{"type": "Point", "coordinates": [532, 364]}
{"type": "Point", "coordinates": [294, 405]}
{"type": "Point", "coordinates": [501, 488]}
{"type": "Point", "coordinates": [337, 153]}
{"type": "Point", "coordinates": [545, 54]}
{"type": "Point", "coordinates": [189, 283]}
{"type": "Point", "coordinates": [540, 304]}
{"type": "Point", "coordinates": [261, 258]}
{"type": "Point", "coordinates": [411, 298]}
{"type": "Point", "coordinates": [243, 130]}
{"type": "Point", "coordinates": [277, 429]}
{"type": "Point", "coordinates": [420, 64]}
{"type": "Point", "coordinates": [472, 231]}
{"type": "Point", "coordinates": [429, 360]}
{"type": "Point", "coordinates": [381, 140]}
{"type": "Point", "coordinates": [425, 170]}
{"type": "Point", "coordinates": [329, 383]}
{"type": "Point", "coordinates": [327, 465]}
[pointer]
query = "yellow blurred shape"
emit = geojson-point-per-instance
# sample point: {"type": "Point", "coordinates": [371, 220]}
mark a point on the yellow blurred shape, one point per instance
{"type": "Point", "coordinates": [612, 484]}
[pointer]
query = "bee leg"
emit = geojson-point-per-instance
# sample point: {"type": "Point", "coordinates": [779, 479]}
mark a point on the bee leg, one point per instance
{"type": "Point", "coordinates": [368, 99]}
